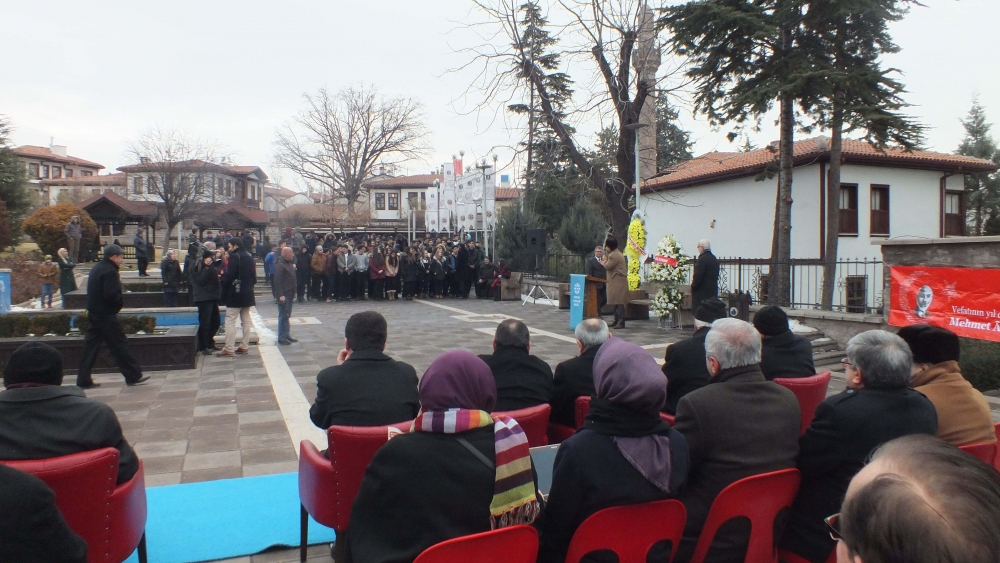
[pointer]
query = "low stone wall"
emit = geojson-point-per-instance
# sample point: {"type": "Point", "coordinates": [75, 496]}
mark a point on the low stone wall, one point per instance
{"type": "Point", "coordinates": [133, 300]}
{"type": "Point", "coordinates": [838, 326]}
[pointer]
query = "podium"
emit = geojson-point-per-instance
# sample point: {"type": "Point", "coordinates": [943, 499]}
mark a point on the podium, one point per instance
{"type": "Point", "coordinates": [591, 286]}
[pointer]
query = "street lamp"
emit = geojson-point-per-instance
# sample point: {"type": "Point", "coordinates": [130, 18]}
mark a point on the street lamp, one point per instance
{"type": "Point", "coordinates": [638, 181]}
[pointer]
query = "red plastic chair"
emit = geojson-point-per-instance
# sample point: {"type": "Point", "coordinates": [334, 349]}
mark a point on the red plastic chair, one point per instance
{"type": "Point", "coordinates": [810, 391]}
{"type": "Point", "coordinates": [986, 452]}
{"type": "Point", "coordinates": [582, 410]}
{"type": "Point", "coordinates": [559, 433]}
{"type": "Point", "coordinates": [327, 487]}
{"type": "Point", "coordinates": [534, 421]}
{"type": "Point", "coordinates": [110, 518]}
{"type": "Point", "coordinates": [789, 557]}
{"type": "Point", "coordinates": [996, 461]}
{"type": "Point", "coordinates": [516, 544]}
{"type": "Point", "coordinates": [758, 498]}
{"type": "Point", "coordinates": [630, 531]}
{"type": "Point", "coordinates": [668, 418]}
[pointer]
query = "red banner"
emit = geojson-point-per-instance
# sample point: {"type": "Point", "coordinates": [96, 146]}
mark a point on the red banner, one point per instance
{"type": "Point", "coordinates": [966, 301]}
{"type": "Point", "coordinates": [664, 260]}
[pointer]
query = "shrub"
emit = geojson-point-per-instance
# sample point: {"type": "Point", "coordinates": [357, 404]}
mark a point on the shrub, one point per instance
{"type": "Point", "coordinates": [981, 363]}
{"type": "Point", "coordinates": [24, 278]}
{"type": "Point", "coordinates": [131, 324]}
{"type": "Point", "coordinates": [6, 235]}
{"type": "Point", "coordinates": [47, 226]}
{"type": "Point", "coordinates": [18, 325]}
{"type": "Point", "coordinates": [14, 325]}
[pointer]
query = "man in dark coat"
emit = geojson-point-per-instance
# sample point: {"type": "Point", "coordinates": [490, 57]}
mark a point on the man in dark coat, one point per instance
{"type": "Point", "coordinates": [39, 418]}
{"type": "Point", "coordinates": [738, 425]}
{"type": "Point", "coordinates": [366, 387]}
{"type": "Point", "coordinates": [462, 271]}
{"type": "Point", "coordinates": [170, 275]}
{"type": "Point", "coordinates": [575, 377]}
{"type": "Point", "coordinates": [522, 380]}
{"type": "Point", "coordinates": [705, 282]}
{"type": "Point", "coordinates": [877, 406]}
{"type": "Point", "coordinates": [141, 253]}
{"type": "Point", "coordinates": [684, 361]}
{"type": "Point", "coordinates": [237, 296]}
{"type": "Point", "coordinates": [104, 300]}
{"type": "Point", "coordinates": [205, 292]}
{"type": "Point", "coordinates": [785, 354]}
{"type": "Point", "coordinates": [303, 269]}
{"type": "Point", "coordinates": [32, 528]}
{"type": "Point", "coordinates": [595, 269]}
{"type": "Point", "coordinates": [284, 288]}
{"type": "Point", "coordinates": [484, 282]}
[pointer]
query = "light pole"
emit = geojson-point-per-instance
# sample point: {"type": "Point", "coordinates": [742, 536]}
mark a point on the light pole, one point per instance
{"type": "Point", "coordinates": [638, 181]}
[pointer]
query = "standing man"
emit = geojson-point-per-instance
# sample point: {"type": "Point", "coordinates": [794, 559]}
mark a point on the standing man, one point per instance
{"type": "Point", "coordinates": [237, 295]}
{"type": "Point", "coordinates": [345, 265]}
{"type": "Point", "coordinates": [475, 262]}
{"type": "Point", "coordinates": [141, 252]}
{"type": "Point", "coordinates": [595, 269]}
{"type": "Point", "coordinates": [303, 267]}
{"type": "Point", "coordinates": [617, 275]}
{"type": "Point", "coordinates": [74, 232]}
{"type": "Point", "coordinates": [205, 293]}
{"type": "Point", "coordinates": [284, 288]}
{"type": "Point", "coordinates": [170, 274]}
{"type": "Point", "coordinates": [705, 282]}
{"type": "Point", "coordinates": [462, 271]}
{"type": "Point", "coordinates": [104, 300]}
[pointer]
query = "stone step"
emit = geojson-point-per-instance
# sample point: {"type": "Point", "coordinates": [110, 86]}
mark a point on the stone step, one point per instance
{"type": "Point", "coordinates": [832, 356]}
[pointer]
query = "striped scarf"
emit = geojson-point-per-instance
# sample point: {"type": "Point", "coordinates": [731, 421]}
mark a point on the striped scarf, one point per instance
{"type": "Point", "coordinates": [514, 499]}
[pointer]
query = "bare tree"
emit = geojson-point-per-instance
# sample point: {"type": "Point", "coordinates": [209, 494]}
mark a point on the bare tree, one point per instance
{"type": "Point", "coordinates": [338, 140]}
{"type": "Point", "coordinates": [175, 170]}
{"type": "Point", "coordinates": [609, 32]}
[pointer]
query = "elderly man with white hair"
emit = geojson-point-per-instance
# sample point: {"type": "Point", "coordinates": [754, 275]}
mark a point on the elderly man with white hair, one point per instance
{"type": "Point", "coordinates": [575, 377]}
{"type": "Point", "coordinates": [738, 425]}
{"type": "Point", "coordinates": [705, 281]}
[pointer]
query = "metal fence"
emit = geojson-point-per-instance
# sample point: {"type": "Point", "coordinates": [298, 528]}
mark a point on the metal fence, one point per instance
{"type": "Point", "coordinates": [858, 287]}
{"type": "Point", "coordinates": [556, 267]}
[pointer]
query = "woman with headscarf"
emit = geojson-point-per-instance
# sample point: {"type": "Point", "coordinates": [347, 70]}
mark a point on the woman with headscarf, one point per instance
{"type": "Point", "coordinates": [67, 281]}
{"type": "Point", "coordinates": [442, 480]}
{"type": "Point", "coordinates": [624, 454]}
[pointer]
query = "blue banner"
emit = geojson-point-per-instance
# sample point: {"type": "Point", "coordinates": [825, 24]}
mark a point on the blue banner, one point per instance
{"type": "Point", "coordinates": [576, 282]}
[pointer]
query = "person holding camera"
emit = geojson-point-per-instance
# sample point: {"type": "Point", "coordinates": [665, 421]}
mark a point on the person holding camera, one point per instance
{"type": "Point", "coordinates": [205, 292]}
{"type": "Point", "coordinates": [237, 295]}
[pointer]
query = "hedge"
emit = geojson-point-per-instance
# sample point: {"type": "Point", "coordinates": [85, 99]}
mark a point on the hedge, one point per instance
{"type": "Point", "coordinates": [47, 226]}
{"type": "Point", "coordinates": [19, 325]}
{"type": "Point", "coordinates": [980, 363]}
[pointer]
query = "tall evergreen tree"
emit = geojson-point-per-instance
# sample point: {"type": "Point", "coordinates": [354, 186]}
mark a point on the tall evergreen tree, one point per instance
{"type": "Point", "coordinates": [582, 228]}
{"type": "Point", "coordinates": [673, 144]}
{"type": "Point", "coordinates": [13, 190]}
{"type": "Point", "coordinates": [982, 190]}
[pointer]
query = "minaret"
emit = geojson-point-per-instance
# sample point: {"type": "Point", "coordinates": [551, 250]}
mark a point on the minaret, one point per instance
{"type": "Point", "coordinates": [646, 61]}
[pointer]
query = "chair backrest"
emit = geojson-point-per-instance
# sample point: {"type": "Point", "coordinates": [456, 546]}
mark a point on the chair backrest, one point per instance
{"type": "Point", "coordinates": [759, 498]}
{"type": "Point", "coordinates": [534, 421]}
{"type": "Point", "coordinates": [351, 449]}
{"type": "Point", "coordinates": [986, 452]}
{"type": "Point", "coordinates": [83, 483]}
{"type": "Point", "coordinates": [629, 531]}
{"type": "Point", "coordinates": [515, 544]}
{"type": "Point", "coordinates": [810, 391]}
{"type": "Point", "coordinates": [996, 461]}
{"type": "Point", "coordinates": [668, 418]}
{"type": "Point", "coordinates": [582, 410]}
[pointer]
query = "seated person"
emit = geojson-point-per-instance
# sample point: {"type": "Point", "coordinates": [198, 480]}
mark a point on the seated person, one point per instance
{"type": "Point", "coordinates": [366, 387]}
{"type": "Point", "coordinates": [684, 362]}
{"type": "Point", "coordinates": [623, 455]}
{"type": "Point", "coordinates": [32, 529]}
{"type": "Point", "coordinates": [785, 354]}
{"type": "Point", "coordinates": [522, 380]}
{"type": "Point", "coordinates": [877, 406]}
{"type": "Point", "coordinates": [963, 414]}
{"type": "Point", "coordinates": [440, 481]}
{"type": "Point", "coordinates": [738, 425]}
{"type": "Point", "coordinates": [575, 377]}
{"type": "Point", "coordinates": [39, 418]}
{"type": "Point", "coordinates": [920, 500]}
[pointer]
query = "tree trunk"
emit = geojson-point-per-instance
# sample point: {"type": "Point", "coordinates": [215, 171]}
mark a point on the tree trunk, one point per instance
{"type": "Point", "coordinates": [531, 144]}
{"type": "Point", "coordinates": [780, 276]}
{"type": "Point", "coordinates": [833, 207]}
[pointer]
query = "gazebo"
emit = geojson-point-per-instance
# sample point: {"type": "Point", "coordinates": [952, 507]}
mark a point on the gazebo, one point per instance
{"type": "Point", "coordinates": [232, 216]}
{"type": "Point", "coordinates": [113, 213]}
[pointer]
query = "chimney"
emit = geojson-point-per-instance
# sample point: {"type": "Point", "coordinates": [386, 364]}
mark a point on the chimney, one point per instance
{"type": "Point", "coordinates": [143, 160]}
{"type": "Point", "coordinates": [58, 150]}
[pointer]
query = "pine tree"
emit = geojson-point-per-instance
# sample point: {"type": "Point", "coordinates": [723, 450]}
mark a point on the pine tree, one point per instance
{"type": "Point", "coordinates": [582, 228]}
{"type": "Point", "coordinates": [13, 190]}
{"type": "Point", "coordinates": [982, 190]}
{"type": "Point", "coordinates": [673, 144]}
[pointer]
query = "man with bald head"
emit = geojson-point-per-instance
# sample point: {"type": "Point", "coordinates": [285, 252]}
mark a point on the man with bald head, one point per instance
{"type": "Point", "coordinates": [284, 289]}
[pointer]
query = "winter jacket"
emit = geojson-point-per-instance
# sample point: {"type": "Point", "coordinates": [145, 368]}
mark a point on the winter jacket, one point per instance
{"type": "Point", "coordinates": [48, 272]}
{"type": "Point", "coordinates": [170, 273]}
{"type": "Point", "coordinates": [241, 267]}
{"type": "Point", "coordinates": [318, 262]}
{"type": "Point", "coordinates": [205, 283]}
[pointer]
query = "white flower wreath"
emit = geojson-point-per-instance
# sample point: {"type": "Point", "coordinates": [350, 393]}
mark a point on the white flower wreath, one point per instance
{"type": "Point", "coordinates": [668, 269]}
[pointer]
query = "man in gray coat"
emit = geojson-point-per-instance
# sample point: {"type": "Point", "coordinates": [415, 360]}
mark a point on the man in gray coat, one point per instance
{"type": "Point", "coordinates": [141, 253]}
{"type": "Point", "coordinates": [284, 288]}
{"type": "Point", "coordinates": [74, 232]}
{"type": "Point", "coordinates": [346, 264]}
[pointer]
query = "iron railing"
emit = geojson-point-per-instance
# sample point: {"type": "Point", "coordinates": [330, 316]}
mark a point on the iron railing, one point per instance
{"type": "Point", "coordinates": [556, 267]}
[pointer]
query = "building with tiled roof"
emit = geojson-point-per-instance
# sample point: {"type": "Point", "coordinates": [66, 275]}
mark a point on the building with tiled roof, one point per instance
{"type": "Point", "coordinates": [42, 164]}
{"type": "Point", "coordinates": [79, 188]}
{"type": "Point", "coordinates": [729, 198]}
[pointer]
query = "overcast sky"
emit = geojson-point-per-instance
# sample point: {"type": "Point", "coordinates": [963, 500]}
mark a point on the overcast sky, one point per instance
{"type": "Point", "coordinates": [93, 75]}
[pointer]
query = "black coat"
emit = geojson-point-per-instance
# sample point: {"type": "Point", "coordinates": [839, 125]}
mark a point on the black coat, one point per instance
{"type": "Point", "coordinates": [410, 269]}
{"type": "Point", "coordinates": [591, 474]}
{"type": "Point", "coordinates": [737, 426]}
{"type": "Point", "coordinates": [846, 429]}
{"type": "Point", "coordinates": [104, 289]}
{"type": "Point", "coordinates": [685, 368]}
{"type": "Point", "coordinates": [52, 421]}
{"type": "Point", "coordinates": [284, 278]}
{"type": "Point", "coordinates": [170, 273]}
{"type": "Point", "coordinates": [786, 355]}
{"type": "Point", "coordinates": [421, 489]}
{"type": "Point", "coordinates": [303, 267]}
{"type": "Point", "coordinates": [705, 282]}
{"type": "Point", "coordinates": [32, 529]}
{"type": "Point", "coordinates": [141, 246]}
{"type": "Point", "coordinates": [369, 389]}
{"type": "Point", "coordinates": [573, 378]}
{"type": "Point", "coordinates": [205, 283]}
{"type": "Point", "coordinates": [522, 380]}
{"type": "Point", "coordinates": [241, 266]}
